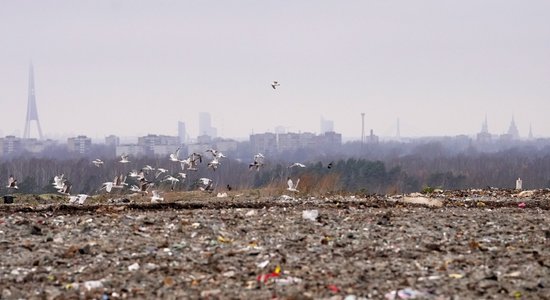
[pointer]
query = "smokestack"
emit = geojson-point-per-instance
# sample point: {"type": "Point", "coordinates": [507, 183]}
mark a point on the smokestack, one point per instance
{"type": "Point", "coordinates": [362, 128]}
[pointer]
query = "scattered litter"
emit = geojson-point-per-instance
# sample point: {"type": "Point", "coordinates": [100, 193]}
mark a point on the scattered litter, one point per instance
{"type": "Point", "coordinates": [263, 264]}
{"type": "Point", "coordinates": [133, 267]}
{"type": "Point", "coordinates": [310, 214]}
{"type": "Point", "coordinates": [406, 293]}
{"type": "Point", "coordinates": [221, 195]}
{"type": "Point", "coordinates": [521, 205]}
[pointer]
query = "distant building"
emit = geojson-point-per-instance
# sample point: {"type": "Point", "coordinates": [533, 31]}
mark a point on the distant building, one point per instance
{"type": "Point", "coordinates": [182, 133]}
{"type": "Point", "coordinates": [484, 136]}
{"type": "Point", "coordinates": [205, 125]}
{"type": "Point", "coordinates": [37, 146]}
{"type": "Point", "coordinates": [226, 145]}
{"type": "Point", "coordinates": [265, 143]}
{"type": "Point", "coordinates": [112, 140]}
{"type": "Point", "coordinates": [204, 139]}
{"type": "Point", "coordinates": [372, 138]}
{"type": "Point", "coordinates": [530, 135]}
{"type": "Point", "coordinates": [326, 125]}
{"type": "Point", "coordinates": [330, 141]}
{"type": "Point", "coordinates": [10, 145]}
{"type": "Point", "coordinates": [159, 145]}
{"type": "Point", "coordinates": [80, 144]}
{"type": "Point", "coordinates": [288, 142]}
{"type": "Point", "coordinates": [132, 150]}
{"type": "Point", "coordinates": [513, 130]}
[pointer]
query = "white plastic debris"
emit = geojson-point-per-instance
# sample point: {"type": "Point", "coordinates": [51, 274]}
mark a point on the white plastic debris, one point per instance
{"type": "Point", "coordinates": [221, 195]}
{"type": "Point", "coordinates": [310, 214]}
{"type": "Point", "coordinates": [263, 264]}
{"type": "Point", "coordinates": [93, 284]}
{"type": "Point", "coordinates": [133, 267]}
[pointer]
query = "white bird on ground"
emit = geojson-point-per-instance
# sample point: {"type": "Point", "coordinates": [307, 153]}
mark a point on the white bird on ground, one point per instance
{"type": "Point", "coordinates": [257, 163]}
{"type": "Point", "coordinates": [206, 184]}
{"type": "Point", "coordinates": [275, 84]}
{"type": "Point", "coordinates": [291, 186]}
{"type": "Point", "coordinates": [297, 165]}
{"type": "Point", "coordinates": [175, 156]}
{"type": "Point", "coordinates": [156, 197]}
{"type": "Point", "coordinates": [135, 188]}
{"type": "Point", "coordinates": [97, 162]}
{"type": "Point", "coordinates": [79, 199]}
{"type": "Point", "coordinates": [12, 183]}
{"type": "Point", "coordinates": [124, 158]}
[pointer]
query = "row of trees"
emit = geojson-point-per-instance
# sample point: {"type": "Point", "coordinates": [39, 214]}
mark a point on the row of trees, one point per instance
{"type": "Point", "coordinates": [389, 174]}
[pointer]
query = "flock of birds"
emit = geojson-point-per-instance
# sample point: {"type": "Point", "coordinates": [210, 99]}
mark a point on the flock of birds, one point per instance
{"type": "Point", "coordinates": [142, 184]}
{"type": "Point", "coordinates": [144, 180]}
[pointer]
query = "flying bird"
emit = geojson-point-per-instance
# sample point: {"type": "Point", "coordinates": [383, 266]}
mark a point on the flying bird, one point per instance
{"type": "Point", "coordinates": [291, 186]}
{"type": "Point", "coordinates": [97, 162]}
{"type": "Point", "coordinates": [66, 188]}
{"type": "Point", "coordinates": [216, 153]}
{"type": "Point", "coordinates": [124, 158]}
{"type": "Point", "coordinates": [160, 171]}
{"type": "Point", "coordinates": [173, 180]}
{"type": "Point", "coordinates": [206, 184]}
{"type": "Point", "coordinates": [191, 162]}
{"type": "Point", "coordinates": [297, 165]}
{"type": "Point", "coordinates": [257, 163]}
{"type": "Point", "coordinates": [275, 84]}
{"type": "Point", "coordinates": [330, 164]}
{"type": "Point", "coordinates": [214, 164]}
{"type": "Point", "coordinates": [174, 156]}
{"type": "Point", "coordinates": [12, 183]}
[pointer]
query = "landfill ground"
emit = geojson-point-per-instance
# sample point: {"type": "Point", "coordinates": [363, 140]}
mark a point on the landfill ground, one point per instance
{"type": "Point", "coordinates": [450, 245]}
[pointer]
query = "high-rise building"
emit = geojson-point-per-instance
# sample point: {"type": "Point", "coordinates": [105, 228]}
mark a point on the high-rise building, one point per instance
{"type": "Point", "coordinates": [205, 125]}
{"type": "Point", "coordinates": [182, 133]}
{"type": "Point", "coordinates": [80, 144]}
{"type": "Point", "coordinates": [112, 140]}
{"type": "Point", "coordinates": [32, 111]}
{"type": "Point", "coordinates": [326, 125]}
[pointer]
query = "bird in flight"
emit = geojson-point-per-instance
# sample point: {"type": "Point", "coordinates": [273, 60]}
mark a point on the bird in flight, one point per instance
{"type": "Point", "coordinates": [275, 84]}
{"type": "Point", "coordinates": [291, 186]}
{"type": "Point", "coordinates": [257, 163]}
{"type": "Point", "coordinates": [12, 183]}
{"type": "Point", "coordinates": [124, 158]}
{"type": "Point", "coordinates": [97, 162]}
{"type": "Point", "coordinates": [297, 165]}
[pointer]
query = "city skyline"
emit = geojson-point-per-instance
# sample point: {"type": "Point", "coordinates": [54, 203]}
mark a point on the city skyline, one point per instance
{"type": "Point", "coordinates": [140, 67]}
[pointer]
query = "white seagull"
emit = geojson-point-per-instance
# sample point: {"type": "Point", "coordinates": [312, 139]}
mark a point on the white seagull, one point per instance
{"type": "Point", "coordinates": [191, 162]}
{"type": "Point", "coordinates": [97, 162]}
{"type": "Point", "coordinates": [291, 186]}
{"type": "Point", "coordinates": [257, 163]}
{"type": "Point", "coordinates": [206, 184]}
{"type": "Point", "coordinates": [80, 198]}
{"type": "Point", "coordinates": [156, 197]}
{"type": "Point", "coordinates": [58, 181]}
{"type": "Point", "coordinates": [275, 84]}
{"type": "Point", "coordinates": [216, 153]}
{"type": "Point", "coordinates": [160, 171]}
{"type": "Point", "coordinates": [66, 188]}
{"type": "Point", "coordinates": [173, 180]}
{"type": "Point", "coordinates": [12, 183]}
{"type": "Point", "coordinates": [174, 156]}
{"type": "Point", "coordinates": [124, 158]}
{"type": "Point", "coordinates": [297, 165]}
{"type": "Point", "coordinates": [214, 164]}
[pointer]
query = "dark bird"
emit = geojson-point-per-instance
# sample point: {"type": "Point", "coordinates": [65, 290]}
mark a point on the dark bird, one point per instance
{"type": "Point", "coordinates": [329, 166]}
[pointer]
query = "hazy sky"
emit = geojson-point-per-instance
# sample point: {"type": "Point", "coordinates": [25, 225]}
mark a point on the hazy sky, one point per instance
{"type": "Point", "coordinates": [137, 67]}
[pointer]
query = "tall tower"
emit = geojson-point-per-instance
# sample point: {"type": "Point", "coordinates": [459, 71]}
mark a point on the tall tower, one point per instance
{"type": "Point", "coordinates": [398, 133]}
{"type": "Point", "coordinates": [362, 128]}
{"type": "Point", "coordinates": [32, 112]}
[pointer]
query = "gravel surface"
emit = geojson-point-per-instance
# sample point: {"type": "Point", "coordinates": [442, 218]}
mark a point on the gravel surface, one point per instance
{"type": "Point", "coordinates": [466, 246]}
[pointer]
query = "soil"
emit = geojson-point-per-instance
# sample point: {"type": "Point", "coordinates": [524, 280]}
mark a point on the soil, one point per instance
{"type": "Point", "coordinates": [471, 245]}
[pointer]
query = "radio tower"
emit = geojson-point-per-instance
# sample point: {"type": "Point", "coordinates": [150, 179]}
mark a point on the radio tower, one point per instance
{"type": "Point", "coordinates": [32, 112]}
